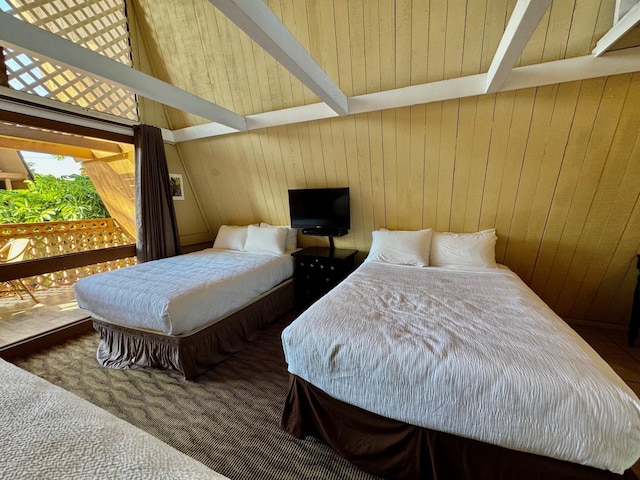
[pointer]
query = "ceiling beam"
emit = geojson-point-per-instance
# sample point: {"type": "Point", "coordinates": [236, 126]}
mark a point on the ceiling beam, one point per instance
{"type": "Point", "coordinates": [24, 36]}
{"type": "Point", "coordinates": [257, 20]}
{"type": "Point", "coordinates": [560, 71]}
{"type": "Point", "coordinates": [525, 18]}
{"type": "Point", "coordinates": [28, 133]}
{"type": "Point", "coordinates": [44, 147]}
{"type": "Point", "coordinates": [621, 27]}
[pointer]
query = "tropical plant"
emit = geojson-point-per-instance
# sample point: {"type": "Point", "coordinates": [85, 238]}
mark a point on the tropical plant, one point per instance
{"type": "Point", "coordinates": [48, 198]}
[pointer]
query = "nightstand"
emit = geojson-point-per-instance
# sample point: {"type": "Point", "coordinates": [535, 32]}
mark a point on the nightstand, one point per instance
{"type": "Point", "coordinates": [318, 270]}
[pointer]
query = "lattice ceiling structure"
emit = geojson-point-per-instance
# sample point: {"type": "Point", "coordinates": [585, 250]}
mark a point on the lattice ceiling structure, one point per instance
{"type": "Point", "coordinates": [99, 25]}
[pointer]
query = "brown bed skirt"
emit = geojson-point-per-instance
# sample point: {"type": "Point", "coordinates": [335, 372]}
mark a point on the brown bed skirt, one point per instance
{"type": "Point", "coordinates": [396, 450]}
{"type": "Point", "coordinates": [195, 352]}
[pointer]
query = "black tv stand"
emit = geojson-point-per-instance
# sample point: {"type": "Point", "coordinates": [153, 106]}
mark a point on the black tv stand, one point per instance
{"type": "Point", "coordinates": [325, 232]}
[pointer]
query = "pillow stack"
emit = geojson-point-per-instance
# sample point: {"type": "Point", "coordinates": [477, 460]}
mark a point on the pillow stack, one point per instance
{"type": "Point", "coordinates": [257, 239]}
{"type": "Point", "coordinates": [424, 248]}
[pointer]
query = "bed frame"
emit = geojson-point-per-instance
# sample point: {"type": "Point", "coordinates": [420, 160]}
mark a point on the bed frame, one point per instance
{"type": "Point", "coordinates": [194, 352]}
{"type": "Point", "coordinates": [396, 450]}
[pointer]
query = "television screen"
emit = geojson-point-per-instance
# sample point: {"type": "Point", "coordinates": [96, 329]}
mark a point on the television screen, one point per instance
{"type": "Point", "coordinates": [320, 211]}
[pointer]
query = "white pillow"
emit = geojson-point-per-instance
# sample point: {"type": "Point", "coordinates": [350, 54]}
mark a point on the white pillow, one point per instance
{"type": "Point", "coordinates": [291, 243]}
{"type": "Point", "coordinates": [464, 249]}
{"type": "Point", "coordinates": [266, 239]}
{"type": "Point", "coordinates": [401, 247]}
{"type": "Point", "coordinates": [231, 237]}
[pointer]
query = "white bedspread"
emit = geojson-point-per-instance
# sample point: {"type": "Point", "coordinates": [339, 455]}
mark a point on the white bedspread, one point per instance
{"type": "Point", "coordinates": [48, 432]}
{"type": "Point", "coordinates": [473, 353]}
{"type": "Point", "coordinates": [179, 294]}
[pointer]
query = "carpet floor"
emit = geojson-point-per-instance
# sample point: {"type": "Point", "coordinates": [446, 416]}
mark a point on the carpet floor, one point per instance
{"type": "Point", "coordinates": [228, 418]}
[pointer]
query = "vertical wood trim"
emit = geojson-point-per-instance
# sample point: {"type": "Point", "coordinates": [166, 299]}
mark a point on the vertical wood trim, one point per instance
{"type": "Point", "coordinates": [436, 42]}
{"type": "Point", "coordinates": [497, 158]}
{"type": "Point", "coordinates": [479, 160]}
{"type": "Point", "coordinates": [415, 194]}
{"type": "Point", "coordinates": [446, 164]}
{"type": "Point", "coordinates": [462, 162]}
{"type": "Point", "coordinates": [389, 140]}
{"type": "Point", "coordinates": [377, 172]}
{"type": "Point", "coordinates": [433, 125]}
{"type": "Point", "coordinates": [363, 143]}
{"type": "Point", "coordinates": [516, 148]}
{"type": "Point", "coordinates": [403, 166]}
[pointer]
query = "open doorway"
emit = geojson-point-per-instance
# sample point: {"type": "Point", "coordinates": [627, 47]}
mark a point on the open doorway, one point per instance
{"type": "Point", "coordinates": [62, 195]}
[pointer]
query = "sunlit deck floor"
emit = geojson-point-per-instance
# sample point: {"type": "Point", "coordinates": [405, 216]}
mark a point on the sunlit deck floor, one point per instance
{"type": "Point", "coordinates": [22, 319]}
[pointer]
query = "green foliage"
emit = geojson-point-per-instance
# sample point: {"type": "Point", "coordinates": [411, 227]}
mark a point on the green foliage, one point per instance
{"type": "Point", "coordinates": [48, 198]}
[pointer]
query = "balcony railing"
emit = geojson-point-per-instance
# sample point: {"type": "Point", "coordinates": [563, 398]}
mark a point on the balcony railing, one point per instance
{"type": "Point", "coordinates": [59, 245]}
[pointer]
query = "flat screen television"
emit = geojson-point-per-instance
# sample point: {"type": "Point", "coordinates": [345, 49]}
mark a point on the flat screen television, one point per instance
{"type": "Point", "coordinates": [320, 211]}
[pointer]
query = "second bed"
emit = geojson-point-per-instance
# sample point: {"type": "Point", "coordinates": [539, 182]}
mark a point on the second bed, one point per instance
{"type": "Point", "coordinates": [186, 312]}
{"type": "Point", "coordinates": [457, 373]}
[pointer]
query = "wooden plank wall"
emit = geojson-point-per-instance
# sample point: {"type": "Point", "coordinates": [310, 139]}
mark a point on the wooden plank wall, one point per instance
{"type": "Point", "coordinates": [192, 224]}
{"type": "Point", "coordinates": [554, 169]}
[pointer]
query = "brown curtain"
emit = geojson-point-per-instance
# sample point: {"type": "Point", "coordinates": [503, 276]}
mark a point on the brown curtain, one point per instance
{"type": "Point", "coordinates": [4, 76]}
{"type": "Point", "coordinates": [156, 228]}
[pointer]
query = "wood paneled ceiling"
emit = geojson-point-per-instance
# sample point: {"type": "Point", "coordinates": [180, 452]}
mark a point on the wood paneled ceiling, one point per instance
{"type": "Point", "coordinates": [364, 46]}
{"type": "Point", "coordinates": [376, 54]}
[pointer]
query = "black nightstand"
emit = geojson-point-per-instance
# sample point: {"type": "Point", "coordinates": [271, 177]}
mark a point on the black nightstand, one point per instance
{"type": "Point", "coordinates": [318, 270]}
{"type": "Point", "coordinates": [634, 324]}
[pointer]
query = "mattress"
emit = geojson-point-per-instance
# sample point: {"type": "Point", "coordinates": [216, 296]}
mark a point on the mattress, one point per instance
{"type": "Point", "coordinates": [49, 432]}
{"type": "Point", "coordinates": [474, 353]}
{"type": "Point", "coordinates": [178, 294]}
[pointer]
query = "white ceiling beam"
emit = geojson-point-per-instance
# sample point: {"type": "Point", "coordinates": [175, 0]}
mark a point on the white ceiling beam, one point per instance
{"type": "Point", "coordinates": [622, 26]}
{"type": "Point", "coordinates": [257, 20]}
{"type": "Point", "coordinates": [21, 35]}
{"type": "Point", "coordinates": [285, 116]}
{"type": "Point", "coordinates": [560, 71]}
{"type": "Point", "coordinates": [525, 18]}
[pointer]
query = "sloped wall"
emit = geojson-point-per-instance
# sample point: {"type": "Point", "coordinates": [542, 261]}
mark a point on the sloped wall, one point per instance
{"type": "Point", "coordinates": [554, 169]}
{"type": "Point", "coordinates": [192, 224]}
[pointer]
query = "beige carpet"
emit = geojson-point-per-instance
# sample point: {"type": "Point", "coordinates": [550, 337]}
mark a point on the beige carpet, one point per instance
{"type": "Point", "coordinates": [227, 419]}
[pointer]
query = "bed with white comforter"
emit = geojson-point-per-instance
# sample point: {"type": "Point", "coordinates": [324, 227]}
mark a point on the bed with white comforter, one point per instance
{"type": "Point", "coordinates": [165, 313]}
{"type": "Point", "coordinates": [179, 294]}
{"type": "Point", "coordinates": [49, 432]}
{"type": "Point", "coordinates": [472, 352]}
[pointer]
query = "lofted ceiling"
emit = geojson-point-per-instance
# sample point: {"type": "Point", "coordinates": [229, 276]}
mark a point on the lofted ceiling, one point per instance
{"type": "Point", "coordinates": [222, 66]}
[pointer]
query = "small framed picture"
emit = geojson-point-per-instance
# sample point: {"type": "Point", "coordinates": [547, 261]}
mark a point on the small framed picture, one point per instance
{"type": "Point", "coordinates": [177, 187]}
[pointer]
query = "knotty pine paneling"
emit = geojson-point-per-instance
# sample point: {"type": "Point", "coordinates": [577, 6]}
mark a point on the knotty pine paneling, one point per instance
{"type": "Point", "coordinates": [554, 169]}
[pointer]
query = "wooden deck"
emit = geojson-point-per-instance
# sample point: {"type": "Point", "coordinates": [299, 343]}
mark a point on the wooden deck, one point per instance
{"type": "Point", "coordinates": [21, 319]}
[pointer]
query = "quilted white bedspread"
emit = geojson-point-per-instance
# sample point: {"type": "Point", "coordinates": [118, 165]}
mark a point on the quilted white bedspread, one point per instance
{"type": "Point", "coordinates": [48, 432]}
{"type": "Point", "coordinates": [472, 353]}
{"type": "Point", "coordinates": [179, 294]}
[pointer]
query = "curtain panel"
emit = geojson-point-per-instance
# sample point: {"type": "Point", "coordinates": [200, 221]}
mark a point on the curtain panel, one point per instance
{"type": "Point", "coordinates": [156, 227]}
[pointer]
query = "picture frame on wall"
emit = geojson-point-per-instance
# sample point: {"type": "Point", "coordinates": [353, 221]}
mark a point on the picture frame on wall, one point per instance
{"type": "Point", "coordinates": [177, 186]}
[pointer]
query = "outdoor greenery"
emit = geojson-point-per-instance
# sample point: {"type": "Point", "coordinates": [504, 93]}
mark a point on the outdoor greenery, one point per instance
{"type": "Point", "coordinates": [49, 198]}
